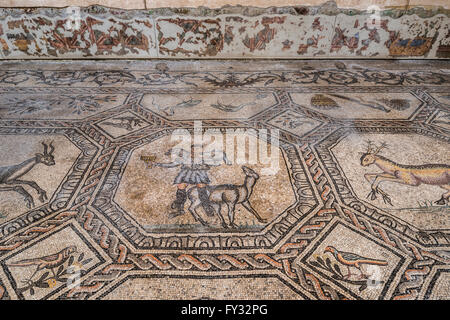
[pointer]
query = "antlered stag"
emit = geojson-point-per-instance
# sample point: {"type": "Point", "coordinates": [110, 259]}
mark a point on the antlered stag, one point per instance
{"type": "Point", "coordinates": [413, 175]}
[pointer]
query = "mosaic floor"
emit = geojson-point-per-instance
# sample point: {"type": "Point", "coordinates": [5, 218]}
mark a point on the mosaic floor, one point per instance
{"type": "Point", "coordinates": [330, 180]}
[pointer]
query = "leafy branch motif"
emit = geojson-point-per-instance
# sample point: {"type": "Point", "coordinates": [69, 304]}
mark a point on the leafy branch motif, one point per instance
{"type": "Point", "coordinates": [233, 79]}
{"type": "Point", "coordinates": [79, 104]}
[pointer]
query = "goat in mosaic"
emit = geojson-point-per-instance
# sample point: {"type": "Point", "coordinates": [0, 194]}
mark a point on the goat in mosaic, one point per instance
{"type": "Point", "coordinates": [230, 195]}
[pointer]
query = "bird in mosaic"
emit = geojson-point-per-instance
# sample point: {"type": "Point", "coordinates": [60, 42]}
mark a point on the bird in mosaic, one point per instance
{"type": "Point", "coordinates": [47, 262]}
{"type": "Point", "coordinates": [170, 110]}
{"type": "Point", "coordinates": [353, 260]}
{"type": "Point", "coordinates": [230, 107]}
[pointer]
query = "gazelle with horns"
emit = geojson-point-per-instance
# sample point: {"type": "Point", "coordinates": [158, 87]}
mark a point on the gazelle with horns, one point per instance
{"type": "Point", "coordinates": [10, 175]}
{"type": "Point", "coordinates": [413, 175]}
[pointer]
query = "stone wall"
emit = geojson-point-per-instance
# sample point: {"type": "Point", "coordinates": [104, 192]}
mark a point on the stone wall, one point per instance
{"type": "Point", "coordinates": [294, 32]}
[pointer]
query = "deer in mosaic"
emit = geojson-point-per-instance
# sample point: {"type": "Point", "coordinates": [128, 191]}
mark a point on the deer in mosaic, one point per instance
{"type": "Point", "coordinates": [412, 175]}
{"type": "Point", "coordinates": [229, 195]}
{"type": "Point", "coordinates": [10, 175]}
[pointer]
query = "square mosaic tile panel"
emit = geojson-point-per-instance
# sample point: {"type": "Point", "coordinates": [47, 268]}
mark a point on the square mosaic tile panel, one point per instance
{"type": "Point", "coordinates": [94, 206]}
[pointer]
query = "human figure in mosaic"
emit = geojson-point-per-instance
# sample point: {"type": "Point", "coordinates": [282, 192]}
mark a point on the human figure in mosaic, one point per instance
{"type": "Point", "coordinates": [192, 172]}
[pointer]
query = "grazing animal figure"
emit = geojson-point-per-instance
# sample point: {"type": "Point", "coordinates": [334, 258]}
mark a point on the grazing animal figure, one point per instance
{"type": "Point", "coordinates": [413, 175]}
{"type": "Point", "coordinates": [10, 175]}
{"type": "Point", "coordinates": [230, 195]}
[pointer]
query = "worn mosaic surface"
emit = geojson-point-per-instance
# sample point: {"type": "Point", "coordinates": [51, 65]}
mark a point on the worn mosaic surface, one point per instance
{"type": "Point", "coordinates": [231, 32]}
{"type": "Point", "coordinates": [358, 209]}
